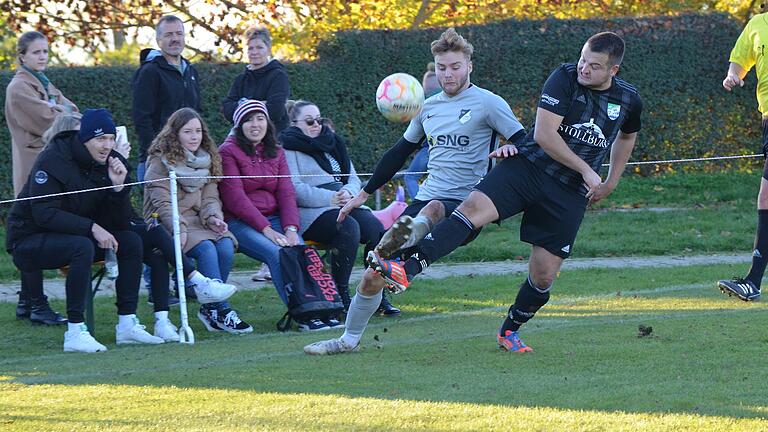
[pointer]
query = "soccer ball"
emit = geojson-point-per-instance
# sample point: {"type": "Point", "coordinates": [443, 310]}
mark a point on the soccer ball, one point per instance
{"type": "Point", "coordinates": [399, 97]}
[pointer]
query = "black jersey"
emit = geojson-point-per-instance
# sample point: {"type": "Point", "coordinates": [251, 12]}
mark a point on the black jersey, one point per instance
{"type": "Point", "coordinates": [591, 121]}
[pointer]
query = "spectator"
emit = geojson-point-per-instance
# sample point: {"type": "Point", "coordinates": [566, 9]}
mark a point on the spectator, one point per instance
{"type": "Point", "coordinates": [164, 83]}
{"type": "Point", "coordinates": [32, 103]}
{"type": "Point", "coordinates": [264, 79]}
{"type": "Point", "coordinates": [419, 162]}
{"type": "Point", "coordinates": [75, 230]}
{"type": "Point", "coordinates": [261, 211]}
{"type": "Point", "coordinates": [325, 179]}
{"type": "Point", "coordinates": [185, 146]}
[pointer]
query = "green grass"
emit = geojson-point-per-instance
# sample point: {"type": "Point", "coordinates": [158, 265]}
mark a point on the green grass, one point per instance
{"type": "Point", "coordinates": [711, 213]}
{"type": "Point", "coordinates": [436, 368]}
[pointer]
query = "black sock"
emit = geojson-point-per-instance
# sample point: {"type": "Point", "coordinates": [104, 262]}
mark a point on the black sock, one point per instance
{"type": "Point", "coordinates": [447, 235]}
{"type": "Point", "coordinates": [760, 254]}
{"type": "Point", "coordinates": [529, 300]}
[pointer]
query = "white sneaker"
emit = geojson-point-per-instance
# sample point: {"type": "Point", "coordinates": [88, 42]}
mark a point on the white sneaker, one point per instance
{"type": "Point", "coordinates": [165, 330]}
{"type": "Point", "coordinates": [81, 341]}
{"type": "Point", "coordinates": [262, 275]}
{"type": "Point", "coordinates": [135, 334]}
{"type": "Point", "coordinates": [213, 291]}
{"type": "Point", "coordinates": [330, 347]}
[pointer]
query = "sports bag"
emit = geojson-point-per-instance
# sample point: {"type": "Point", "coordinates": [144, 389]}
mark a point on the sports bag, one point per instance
{"type": "Point", "coordinates": [311, 290]}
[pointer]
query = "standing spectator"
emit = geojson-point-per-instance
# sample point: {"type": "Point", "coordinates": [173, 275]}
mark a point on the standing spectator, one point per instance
{"type": "Point", "coordinates": [325, 179]}
{"type": "Point", "coordinates": [31, 104]}
{"type": "Point", "coordinates": [164, 83]}
{"type": "Point", "coordinates": [185, 146]}
{"type": "Point", "coordinates": [76, 229]}
{"type": "Point", "coordinates": [419, 162]}
{"type": "Point", "coordinates": [264, 79]}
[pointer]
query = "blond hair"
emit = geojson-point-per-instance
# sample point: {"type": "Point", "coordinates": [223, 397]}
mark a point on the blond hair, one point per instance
{"type": "Point", "coordinates": [450, 41]}
{"type": "Point", "coordinates": [61, 123]}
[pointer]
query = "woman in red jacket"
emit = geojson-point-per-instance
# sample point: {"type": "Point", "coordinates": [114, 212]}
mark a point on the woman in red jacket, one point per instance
{"type": "Point", "coordinates": [261, 212]}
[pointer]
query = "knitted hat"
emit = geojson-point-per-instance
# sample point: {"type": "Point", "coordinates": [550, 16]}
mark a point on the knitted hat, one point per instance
{"type": "Point", "coordinates": [248, 106]}
{"type": "Point", "coordinates": [95, 123]}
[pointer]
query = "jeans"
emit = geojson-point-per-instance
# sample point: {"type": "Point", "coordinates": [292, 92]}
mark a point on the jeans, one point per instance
{"type": "Point", "coordinates": [257, 246]}
{"type": "Point", "coordinates": [418, 164]}
{"type": "Point", "coordinates": [214, 260]}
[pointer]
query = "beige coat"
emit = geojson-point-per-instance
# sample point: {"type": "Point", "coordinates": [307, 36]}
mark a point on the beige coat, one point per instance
{"type": "Point", "coordinates": [28, 114]}
{"type": "Point", "coordinates": [194, 208]}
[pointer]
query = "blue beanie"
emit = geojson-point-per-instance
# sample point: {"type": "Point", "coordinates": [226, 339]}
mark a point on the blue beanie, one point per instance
{"type": "Point", "coordinates": [95, 123]}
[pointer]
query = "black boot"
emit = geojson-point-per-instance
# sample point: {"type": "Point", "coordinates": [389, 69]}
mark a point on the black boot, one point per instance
{"type": "Point", "coordinates": [41, 313]}
{"type": "Point", "coordinates": [385, 308]}
{"type": "Point", "coordinates": [23, 308]}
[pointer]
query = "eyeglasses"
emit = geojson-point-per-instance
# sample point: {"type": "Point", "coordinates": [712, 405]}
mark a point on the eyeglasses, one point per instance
{"type": "Point", "coordinates": [311, 121]}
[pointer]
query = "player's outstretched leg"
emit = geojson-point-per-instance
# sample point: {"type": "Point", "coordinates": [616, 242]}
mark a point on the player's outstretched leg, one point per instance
{"type": "Point", "coordinates": [395, 237]}
{"type": "Point", "coordinates": [361, 309]}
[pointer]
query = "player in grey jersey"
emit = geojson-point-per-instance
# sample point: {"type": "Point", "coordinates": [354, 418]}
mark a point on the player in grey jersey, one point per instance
{"type": "Point", "coordinates": [461, 125]}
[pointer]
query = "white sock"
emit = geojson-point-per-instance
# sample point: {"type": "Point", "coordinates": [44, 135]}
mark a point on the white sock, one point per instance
{"type": "Point", "coordinates": [161, 316]}
{"type": "Point", "coordinates": [361, 309]}
{"type": "Point", "coordinates": [74, 327]}
{"type": "Point", "coordinates": [197, 278]}
{"type": "Point", "coordinates": [125, 322]}
{"type": "Point", "coordinates": [421, 227]}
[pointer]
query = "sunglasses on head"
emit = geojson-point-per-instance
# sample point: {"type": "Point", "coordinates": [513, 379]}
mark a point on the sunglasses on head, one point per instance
{"type": "Point", "coordinates": [311, 121]}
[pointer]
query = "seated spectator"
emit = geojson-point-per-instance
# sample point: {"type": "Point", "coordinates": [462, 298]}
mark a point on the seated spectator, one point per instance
{"type": "Point", "coordinates": [184, 146]}
{"type": "Point", "coordinates": [158, 253]}
{"type": "Point", "coordinates": [419, 162]}
{"type": "Point", "coordinates": [75, 230]}
{"type": "Point", "coordinates": [260, 211]}
{"type": "Point", "coordinates": [325, 179]}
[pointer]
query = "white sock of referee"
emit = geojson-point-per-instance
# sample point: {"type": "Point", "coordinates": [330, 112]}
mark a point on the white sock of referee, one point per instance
{"type": "Point", "coordinates": [361, 309]}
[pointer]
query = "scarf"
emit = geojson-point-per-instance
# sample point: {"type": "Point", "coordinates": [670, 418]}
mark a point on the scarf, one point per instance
{"type": "Point", "coordinates": [327, 142]}
{"type": "Point", "coordinates": [43, 80]}
{"type": "Point", "coordinates": [196, 165]}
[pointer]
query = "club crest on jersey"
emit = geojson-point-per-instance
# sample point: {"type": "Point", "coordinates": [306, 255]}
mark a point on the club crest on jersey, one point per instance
{"type": "Point", "coordinates": [613, 111]}
{"type": "Point", "coordinates": [465, 115]}
{"type": "Point", "coordinates": [41, 177]}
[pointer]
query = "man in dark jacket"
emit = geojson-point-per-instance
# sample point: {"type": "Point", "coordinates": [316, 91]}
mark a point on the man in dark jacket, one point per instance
{"type": "Point", "coordinates": [77, 229]}
{"type": "Point", "coordinates": [164, 83]}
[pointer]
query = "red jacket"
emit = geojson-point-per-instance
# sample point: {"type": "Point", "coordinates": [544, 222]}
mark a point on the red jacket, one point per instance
{"type": "Point", "coordinates": [252, 200]}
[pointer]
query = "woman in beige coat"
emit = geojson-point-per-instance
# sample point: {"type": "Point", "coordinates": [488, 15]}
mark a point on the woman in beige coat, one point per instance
{"type": "Point", "coordinates": [185, 146]}
{"type": "Point", "coordinates": [31, 104]}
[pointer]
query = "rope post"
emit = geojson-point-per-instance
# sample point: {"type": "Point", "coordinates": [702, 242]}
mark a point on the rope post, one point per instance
{"type": "Point", "coordinates": [185, 332]}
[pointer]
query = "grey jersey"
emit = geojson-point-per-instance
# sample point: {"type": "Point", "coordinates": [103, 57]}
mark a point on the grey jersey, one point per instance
{"type": "Point", "coordinates": [460, 132]}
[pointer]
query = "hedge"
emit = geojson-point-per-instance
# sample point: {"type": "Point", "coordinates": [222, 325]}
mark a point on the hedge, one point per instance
{"type": "Point", "coordinates": [677, 63]}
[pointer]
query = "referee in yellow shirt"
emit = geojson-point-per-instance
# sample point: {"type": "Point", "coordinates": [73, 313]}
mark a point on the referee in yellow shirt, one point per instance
{"type": "Point", "coordinates": [750, 51]}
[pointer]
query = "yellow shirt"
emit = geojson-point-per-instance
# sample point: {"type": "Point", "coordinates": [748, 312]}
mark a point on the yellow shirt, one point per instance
{"type": "Point", "coordinates": [750, 51]}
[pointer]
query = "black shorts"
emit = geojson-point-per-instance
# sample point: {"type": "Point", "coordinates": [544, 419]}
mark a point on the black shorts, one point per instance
{"type": "Point", "coordinates": [552, 213]}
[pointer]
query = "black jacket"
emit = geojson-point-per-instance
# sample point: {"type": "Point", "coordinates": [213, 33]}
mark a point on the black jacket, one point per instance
{"type": "Point", "coordinates": [159, 89]}
{"type": "Point", "coordinates": [270, 84]}
{"type": "Point", "coordinates": [66, 165]}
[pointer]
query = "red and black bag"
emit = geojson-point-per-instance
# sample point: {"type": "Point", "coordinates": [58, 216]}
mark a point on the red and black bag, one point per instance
{"type": "Point", "coordinates": [311, 290]}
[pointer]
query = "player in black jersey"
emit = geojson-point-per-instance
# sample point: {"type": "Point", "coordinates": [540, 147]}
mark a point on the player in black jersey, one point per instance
{"type": "Point", "coordinates": [584, 111]}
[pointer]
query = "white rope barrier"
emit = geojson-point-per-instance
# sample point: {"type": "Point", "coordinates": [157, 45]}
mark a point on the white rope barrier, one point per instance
{"type": "Point", "coordinates": [399, 173]}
